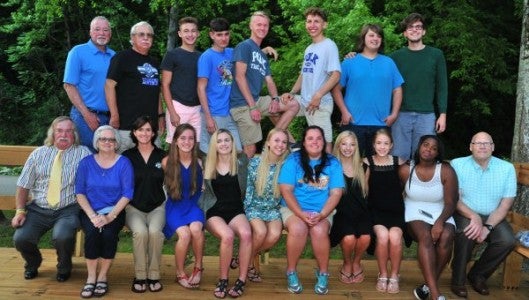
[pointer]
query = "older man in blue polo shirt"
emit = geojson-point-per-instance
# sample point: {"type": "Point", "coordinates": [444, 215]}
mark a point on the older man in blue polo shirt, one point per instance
{"type": "Point", "coordinates": [84, 80]}
{"type": "Point", "coordinates": [487, 190]}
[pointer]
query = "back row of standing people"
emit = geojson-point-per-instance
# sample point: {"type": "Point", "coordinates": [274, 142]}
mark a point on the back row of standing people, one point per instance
{"type": "Point", "coordinates": [198, 88]}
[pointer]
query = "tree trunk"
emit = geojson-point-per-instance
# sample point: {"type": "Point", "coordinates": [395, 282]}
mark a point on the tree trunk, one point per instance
{"type": "Point", "coordinates": [173, 28]}
{"type": "Point", "coordinates": [520, 143]}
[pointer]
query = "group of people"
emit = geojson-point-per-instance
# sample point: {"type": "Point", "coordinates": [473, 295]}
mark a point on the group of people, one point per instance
{"type": "Point", "coordinates": [384, 199]}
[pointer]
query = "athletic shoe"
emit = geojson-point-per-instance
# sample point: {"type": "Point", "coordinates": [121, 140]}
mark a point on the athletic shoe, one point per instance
{"type": "Point", "coordinates": [422, 292]}
{"type": "Point", "coordinates": [293, 284]}
{"type": "Point", "coordinates": [320, 287]}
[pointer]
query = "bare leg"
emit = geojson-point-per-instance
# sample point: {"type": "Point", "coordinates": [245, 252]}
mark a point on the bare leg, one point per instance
{"type": "Point", "coordinates": [222, 231]}
{"type": "Point", "coordinates": [296, 240]}
{"type": "Point", "coordinates": [395, 251]}
{"type": "Point", "coordinates": [180, 249]}
{"type": "Point", "coordinates": [426, 254]}
{"type": "Point", "coordinates": [242, 229]}
{"type": "Point", "coordinates": [319, 237]}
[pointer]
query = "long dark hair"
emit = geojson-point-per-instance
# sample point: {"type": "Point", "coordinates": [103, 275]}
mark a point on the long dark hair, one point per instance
{"type": "Point", "coordinates": [173, 177]}
{"type": "Point", "coordinates": [312, 175]}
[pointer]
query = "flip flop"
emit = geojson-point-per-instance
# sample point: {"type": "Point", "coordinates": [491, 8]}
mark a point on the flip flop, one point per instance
{"type": "Point", "coordinates": [346, 278]}
{"type": "Point", "coordinates": [152, 284]}
{"type": "Point", "coordinates": [138, 282]}
{"type": "Point", "coordinates": [358, 277]}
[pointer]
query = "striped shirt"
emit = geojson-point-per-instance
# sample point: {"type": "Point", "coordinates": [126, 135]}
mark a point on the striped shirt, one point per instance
{"type": "Point", "coordinates": [483, 189]}
{"type": "Point", "coordinates": [37, 169]}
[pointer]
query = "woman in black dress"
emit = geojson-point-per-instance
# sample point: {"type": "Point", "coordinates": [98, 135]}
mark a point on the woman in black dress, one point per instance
{"type": "Point", "coordinates": [387, 208]}
{"type": "Point", "coordinates": [352, 224]}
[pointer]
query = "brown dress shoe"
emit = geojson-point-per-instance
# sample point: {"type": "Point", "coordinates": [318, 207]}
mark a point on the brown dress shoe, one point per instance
{"type": "Point", "coordinates": [459, 290]}
{"type": "Point", "coordinates": [480, 286]}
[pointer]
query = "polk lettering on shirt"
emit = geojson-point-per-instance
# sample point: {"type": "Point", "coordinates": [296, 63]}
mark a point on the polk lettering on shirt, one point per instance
{"type": "Point", "coordinates": [258, 63]}
{"type": "Point", "coordinates": [310, 62]}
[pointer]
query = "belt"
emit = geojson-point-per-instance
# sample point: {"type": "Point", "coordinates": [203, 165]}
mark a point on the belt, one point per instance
{"type": "Point", "coordinates": [99, 112]}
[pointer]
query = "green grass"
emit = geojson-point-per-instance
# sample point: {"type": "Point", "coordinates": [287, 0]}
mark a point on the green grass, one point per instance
{"type": "Point", "coordinates": [210, 249]}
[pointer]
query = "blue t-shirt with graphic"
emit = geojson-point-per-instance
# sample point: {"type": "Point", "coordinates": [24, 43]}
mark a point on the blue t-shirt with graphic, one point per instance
{"type": "Point", "coordinates": [311, 196]}
{"type": "Point", "coordinates": [257, 68]}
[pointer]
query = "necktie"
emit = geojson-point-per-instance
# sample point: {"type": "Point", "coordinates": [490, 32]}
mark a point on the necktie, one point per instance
{"type": "Point", "coordinates": [54, 185]}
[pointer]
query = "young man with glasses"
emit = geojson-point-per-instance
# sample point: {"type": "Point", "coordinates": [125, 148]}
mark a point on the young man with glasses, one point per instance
{"type": "Point", "coordinates": [133, 87]}
{"type": "Point", "coordinates": [425, 88]}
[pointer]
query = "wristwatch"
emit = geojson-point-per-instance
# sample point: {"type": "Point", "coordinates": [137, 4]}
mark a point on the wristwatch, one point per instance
{"type": "Point", "coordinates": [489, 227]}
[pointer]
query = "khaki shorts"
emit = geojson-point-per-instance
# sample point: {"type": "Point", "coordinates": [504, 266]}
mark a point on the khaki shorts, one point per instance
{"type": "Point", "coordinates": [287, 213]}
{"type": "Point", "coordinates": [321, 117]}
{"type": "Point", "coordinates": [250, 131]}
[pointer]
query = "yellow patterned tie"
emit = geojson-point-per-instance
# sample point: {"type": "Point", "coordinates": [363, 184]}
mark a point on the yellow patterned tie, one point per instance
{"type": "Point", "coordinates": [54, 185]}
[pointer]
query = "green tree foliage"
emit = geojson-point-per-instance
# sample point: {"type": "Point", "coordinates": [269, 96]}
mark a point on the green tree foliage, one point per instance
{"type": "Point", "coordinates": [479, 38]}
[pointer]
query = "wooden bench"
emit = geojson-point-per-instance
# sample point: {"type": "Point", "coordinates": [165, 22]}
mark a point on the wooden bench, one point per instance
{"type": "Point", "coordinates": [11, 156]}
{"type": "Point", "coordinates": [512, 267]}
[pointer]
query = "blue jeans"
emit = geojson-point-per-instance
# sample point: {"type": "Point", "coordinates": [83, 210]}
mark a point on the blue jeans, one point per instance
{"type": "Point", "coordinates": [86, 135]}
{"type": "Point", "coordinates": [364, 134]}
{"type": "Point", "coordinates": [407, 131]}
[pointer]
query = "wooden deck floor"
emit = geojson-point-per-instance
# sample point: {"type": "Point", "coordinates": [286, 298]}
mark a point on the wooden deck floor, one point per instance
{"type": "Point", "coordinates": [13, 286]}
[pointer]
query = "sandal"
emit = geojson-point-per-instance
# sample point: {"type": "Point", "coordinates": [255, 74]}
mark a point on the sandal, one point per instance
{"type": "Point", "coordinates": [88, 290]}
{"type": "Point", "coordinates": [393, 286]}
{"type": "Point", "coordinates": [154, 285]}
{"type": "Point", "coordinates": [138, 282]}
{"type": "Point", "coordinates": [382, 284]}
{"type": "Point", "coordinates": [358, 277]}
{"type": "Point", "coordinates": [346, 278]}
{"type": "Point", "coordinates": [254, 275]}
{"type": "Point", "coordinates": [183, 280]}
{"type": "Point", "coordinates": [194, 280]}
{"type": "Point", "coordinates": [221, 290]}
{"type": "Point", "coordinates": [101, 289]}
{"type": "Point", "coordinates": [237, 289]}
{"type": "Point", "coordinates": [234, 263]}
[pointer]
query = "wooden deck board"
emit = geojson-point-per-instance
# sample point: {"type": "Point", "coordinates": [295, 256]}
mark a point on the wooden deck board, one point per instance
{"type": "Point", "coordinates": [13, 286]}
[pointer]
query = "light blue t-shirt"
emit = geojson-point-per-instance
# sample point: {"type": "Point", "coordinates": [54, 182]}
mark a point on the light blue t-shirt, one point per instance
{"type": "Point", "coordinates": [86, 68]}
{"type": "Point", "coordinates": [482, 189]}
{"type": "Point", "coordinates": [217, 67]}
{"type": "Point", "coordinates": [320, 60]}
{"type": "Point", "coordinates": [257, 68]}
{"type": "Point", "coordinates": [369, 85]}
{"type": "Point", "coordinates": [311, 196]}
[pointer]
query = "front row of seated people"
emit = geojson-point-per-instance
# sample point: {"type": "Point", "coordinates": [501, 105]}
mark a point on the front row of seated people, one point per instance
{"type": "Point", "coordinates": [427, 199]}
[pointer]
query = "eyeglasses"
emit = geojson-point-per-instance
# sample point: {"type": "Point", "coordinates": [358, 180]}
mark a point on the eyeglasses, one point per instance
{"type": "Point", "coordinates": [480, 144]}
{"type": "Point", "coordinates": [144, 34]}
{"type": "Point", "coordinates": [107, 140]}
{"type": "Point", "coordinates": [416, 27]}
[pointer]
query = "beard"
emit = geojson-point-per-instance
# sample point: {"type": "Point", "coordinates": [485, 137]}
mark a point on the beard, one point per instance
{"type": "Point", "coordinates": [101, 41]}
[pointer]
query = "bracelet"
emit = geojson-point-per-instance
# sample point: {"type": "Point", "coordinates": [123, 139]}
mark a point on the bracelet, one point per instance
{"type": "Point", "coordinates": [275, 98]}
{"type": "Point", "coordinates": [20, 211]}
{"type": "Point", "coordinates": [92, 216]}
{"type": "Point", "coordinates": [252, 108]}
{"type": "Point", "coordinates": [161, 115]}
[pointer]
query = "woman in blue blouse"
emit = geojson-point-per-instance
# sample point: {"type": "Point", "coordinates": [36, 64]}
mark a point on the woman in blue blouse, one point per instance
{"type": "Point", "coordinates": [104, 185]}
